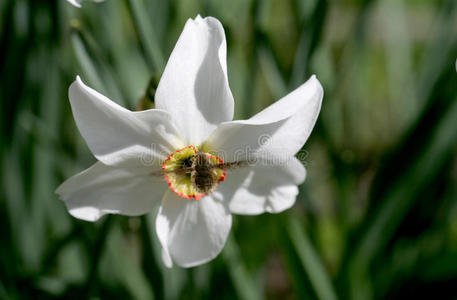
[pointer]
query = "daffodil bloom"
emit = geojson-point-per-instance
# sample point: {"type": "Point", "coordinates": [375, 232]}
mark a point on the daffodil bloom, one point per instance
{"type": "Point", "coordinates": [187, 155]}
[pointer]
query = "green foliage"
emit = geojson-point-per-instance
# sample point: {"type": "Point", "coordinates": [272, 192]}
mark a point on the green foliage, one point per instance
{"type": "Point", "coordinates": [376, 217]}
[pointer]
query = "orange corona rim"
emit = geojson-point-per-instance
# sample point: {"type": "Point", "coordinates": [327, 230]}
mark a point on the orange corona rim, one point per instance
{"type": "Point", "coordinates": [181, 183]}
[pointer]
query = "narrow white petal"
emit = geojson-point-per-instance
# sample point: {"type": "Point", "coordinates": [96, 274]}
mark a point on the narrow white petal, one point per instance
{"type": "Point", "coordinates": [76, 3]}
{"type": "Point", "coordinates": [116, 135]}
{"type": "Point", "coordinates": [192, 232]}
{"type": "Point", "coordinates": [194, 87]}
{"type": "Point", "coordinates": [166, 258]}
{"type": "Point", "coordinates": [280, 130]}
{"type": "Point", "coordinates": [265, 187]}
{"type": "Point", "coordinates": [103, 189]}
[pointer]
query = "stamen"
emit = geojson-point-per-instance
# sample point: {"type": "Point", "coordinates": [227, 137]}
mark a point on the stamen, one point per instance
{"type": "Point", "coordinates": [189, 177]}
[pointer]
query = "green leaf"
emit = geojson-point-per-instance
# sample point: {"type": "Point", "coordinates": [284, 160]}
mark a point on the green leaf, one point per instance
{"type": "Point", "coordinates": [147, 36]}
{"type": "Point", "coordinates": [310, 260]}
{"type": "Point", "coordinates": [244, 286]}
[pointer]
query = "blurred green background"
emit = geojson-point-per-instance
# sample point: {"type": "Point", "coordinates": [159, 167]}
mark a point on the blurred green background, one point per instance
{"type": "Point", "coordinates": [377, 216]}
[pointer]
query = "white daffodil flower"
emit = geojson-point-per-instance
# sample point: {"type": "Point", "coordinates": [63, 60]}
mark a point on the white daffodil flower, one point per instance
{"type": "Point", "coordinates": [78, 3]}
{"type": "Point", "coordinates": [187, 155]}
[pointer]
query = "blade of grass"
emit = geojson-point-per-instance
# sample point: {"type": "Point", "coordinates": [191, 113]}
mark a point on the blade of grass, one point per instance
{"type": "Point", "coordinates": [310, 38]}
{"type": "Point", "coordinates": [147, 36]}
{"type": "Point", "coordinates": [415, 141]}
{"type": "Point", "coordinates": [85, 61]}
{"type": "Point", "coordinates": [93, 62]}
{"type": "Point", "coordinates": [129, 67]}
{"type": "Point", "coordinates": [121, 262]}
{"type": "Point", "coordinates": [301, 288]}
{"type": "Point", "coordinates": [256, 36]}
{"type": "Point", "coordinates": [401, 198]}
{"type": "Point", "coordinates": [399, 65]}
{"type": "Point", "coordinates": [244, 286]}
{"type": "Point", "coordinates": [149, 264]}
{"type": "Point", "coordinates": [310, 260]}
{"type": "Point", "coordinates": [96, 253]}
{"type": "Point", "coordinates": [439, 49]}
{"type": "Point", "coordinates": [271, 72]}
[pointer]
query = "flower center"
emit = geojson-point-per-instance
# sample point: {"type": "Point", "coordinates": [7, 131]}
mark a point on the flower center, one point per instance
{"type": "Point", "coordinates": [191, 173]}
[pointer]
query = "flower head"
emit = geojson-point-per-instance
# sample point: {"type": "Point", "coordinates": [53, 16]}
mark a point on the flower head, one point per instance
{"type": "Point", "coordinates": [187, 155]}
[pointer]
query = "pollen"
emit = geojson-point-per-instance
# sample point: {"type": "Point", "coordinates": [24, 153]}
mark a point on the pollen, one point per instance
{"type": "Point", "coordinates": [192, 178]}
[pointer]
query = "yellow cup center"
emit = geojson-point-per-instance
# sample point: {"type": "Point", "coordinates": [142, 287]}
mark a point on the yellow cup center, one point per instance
{"type": "Point", "coordinates": [191, 173]}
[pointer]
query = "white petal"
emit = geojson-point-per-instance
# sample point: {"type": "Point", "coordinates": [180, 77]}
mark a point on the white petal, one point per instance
{"type": "Point", "coordinates": [192, 232]}
{"type": "Point", "coordinates": [280, 130]}
{"type": "Point", "coordinates": [166, 258]}
{"type": "Point", "coordinates": [76, 3]}
{"type": "Point", "coordinates": [116, 135]}
{"type": "Point", "coordinates": [265, 187]}
{"type": "Point", "coordinates": [194, 87]}
{"type": "Point", "coordinates": [103, 189]}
